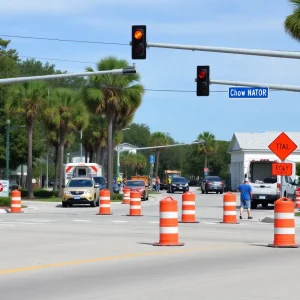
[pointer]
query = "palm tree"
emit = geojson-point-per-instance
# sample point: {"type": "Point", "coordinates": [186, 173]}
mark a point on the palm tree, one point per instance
{"type": "Point", "coordinates": [292, 22]}
{"type": "Point", "coordinates": [139, 162]}
{"type": "Point", "coordinates": [158, 139]}
{"type": "Point", "coordinates": [67, 112]}
{"type": "Point", "coordinates": [112, 95]}
{"type": "Point", "coordinates": [210, 146]}
{"type": "Point", "coordinates": [29, 98]}
{"type": "Point", "coordinates": [126, 161]}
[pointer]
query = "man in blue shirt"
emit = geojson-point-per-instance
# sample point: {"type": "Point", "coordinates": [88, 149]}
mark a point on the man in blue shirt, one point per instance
{"type": "Point", "coordinates": [246, 195]}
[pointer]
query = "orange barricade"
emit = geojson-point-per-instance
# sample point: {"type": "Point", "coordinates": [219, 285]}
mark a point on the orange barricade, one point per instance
{"type": "Point", "coordinates": [297, 200]}
{"type": "Point", "coordinates": [126, 196]}
{"type": "Point", "coordinates": [188, 213]}
{"type": "Point", "coordinates": [168, 223]}
{"type": "Point", "coordinates": [16, 203]}
{"type": "Point", "coordinates": [135, 204]}
{"type": "Point", "coordinates": [104, 202]}
{"type": "Point", "coordinates": [284, 224]}
{"type": "Point", "coordinates": [229, 208]}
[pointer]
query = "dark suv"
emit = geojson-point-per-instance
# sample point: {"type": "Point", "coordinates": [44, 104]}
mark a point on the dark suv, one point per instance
{"type": "Point", "coordinates": [212, 184]}
{"type": "Point", "coordinates": [179, 184]}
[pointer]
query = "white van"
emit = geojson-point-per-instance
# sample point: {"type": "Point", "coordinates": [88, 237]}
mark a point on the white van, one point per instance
{"type": "Point", "coordinates": [265, 186]}
{"type": "Point", "coordinates": [82, 170]}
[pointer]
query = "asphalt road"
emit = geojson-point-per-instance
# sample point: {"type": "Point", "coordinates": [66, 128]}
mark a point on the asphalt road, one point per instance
{"type": "Point", "coordinates": [50, 252]}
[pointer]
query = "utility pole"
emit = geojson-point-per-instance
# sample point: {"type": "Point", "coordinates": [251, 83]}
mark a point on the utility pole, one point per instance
{"type": "Point", "coordinates": [7, 149]}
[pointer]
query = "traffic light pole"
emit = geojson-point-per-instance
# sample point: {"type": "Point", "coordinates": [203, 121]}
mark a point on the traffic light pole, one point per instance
{"type": "Point", "coordinates": [281, 87]}
{"type": "Point", "coordinates": [124, 71]}
{"type": "Point", "coordinates": [255, 52]}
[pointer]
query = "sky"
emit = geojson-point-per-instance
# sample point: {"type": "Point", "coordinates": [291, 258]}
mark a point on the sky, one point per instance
{"type": "Point", "coordinates": [231, 23]}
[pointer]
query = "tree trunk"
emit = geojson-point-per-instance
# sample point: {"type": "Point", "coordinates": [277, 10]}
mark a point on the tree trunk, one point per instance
{"type": "Point", "coordinates": [85, 156]}
{"type": "Point", "coordinates": [156, 162]}
{"type": "Point", "coordinates": [91, 156]}
{"type": "Point", "coordinates": [110, 150]}
{"type": "Point", "coordinates": [205, 161]}
{"type": "Point", "coordinates": [22, 176]}
{"type": "Point", "coordinates": [29, 161]}
{"type": "Point", "coordinates": [61, 165]}
{"type": "Point", "coordinates": [56, 167]}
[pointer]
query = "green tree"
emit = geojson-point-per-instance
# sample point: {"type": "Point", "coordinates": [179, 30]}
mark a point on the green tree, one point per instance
{"type": "Point", "coordinates": [112, 95]}
{"type": "Point", "coordinates": [67, 113]}
{"type": "Point", "coordinates": [28, 100]}
{"type": "Point", "coordinates": [292, 22]}
{"type": "Point", "coordinates": [139, 162]}
{"type": "Point", "coordinates": [210, 146]}
{"type": "Point", "coordinates": [138, 135]}
{"type": "Point", "coordinates": [8, 68]}
{"type": "Point", "coordinates": [158, 139]}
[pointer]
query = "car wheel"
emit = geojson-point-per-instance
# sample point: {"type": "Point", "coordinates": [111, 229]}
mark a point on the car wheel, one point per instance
{"type": "Point", "coordinates": [64, 204]}
{"type": "Point", "coordinates": [94, 202]}
{"type": "Point", "coordinates": [202, 191]}
{"type": "Point", "coordinates": [253, 205]}
{"type": "Point", "coordinates": [221, 193]}
{"type": "Point", "coordinates": [206, 191]}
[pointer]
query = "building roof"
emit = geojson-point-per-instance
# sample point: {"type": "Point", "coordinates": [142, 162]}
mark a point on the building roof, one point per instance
{"type": "Point", "coordinates": [245, 141]}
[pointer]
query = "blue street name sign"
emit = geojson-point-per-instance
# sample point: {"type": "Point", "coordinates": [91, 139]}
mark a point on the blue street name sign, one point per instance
{"type": "Point", "coordinates": [152, 159]}
{"type": "Point", "coordinates": [248, 92]}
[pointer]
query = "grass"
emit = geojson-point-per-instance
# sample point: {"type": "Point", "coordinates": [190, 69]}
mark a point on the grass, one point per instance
{"type": "Point", "coordinates": [297, 214]}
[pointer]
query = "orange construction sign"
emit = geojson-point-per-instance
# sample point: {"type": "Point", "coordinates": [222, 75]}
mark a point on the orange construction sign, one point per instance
{"type": "Point", "coordinates": [283, 169]}
{"type": "Point", "coordinates": [282, 146]}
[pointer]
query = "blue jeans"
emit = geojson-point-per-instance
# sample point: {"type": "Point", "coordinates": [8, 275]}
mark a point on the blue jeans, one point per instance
{"type": "Point", "coordinates": [246, 203]}
{"type": "Point", "coordinates": [157, 187]}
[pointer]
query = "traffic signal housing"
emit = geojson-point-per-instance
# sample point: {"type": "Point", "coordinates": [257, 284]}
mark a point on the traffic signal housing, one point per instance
{"type": "Point", "coordinates": [202, 81]}
{"type": "Point", "coordinates": [138, 42]}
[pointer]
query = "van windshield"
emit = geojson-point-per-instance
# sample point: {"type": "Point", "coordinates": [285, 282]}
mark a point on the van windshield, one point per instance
{"type": "Point", "coordinates": [261, 172]}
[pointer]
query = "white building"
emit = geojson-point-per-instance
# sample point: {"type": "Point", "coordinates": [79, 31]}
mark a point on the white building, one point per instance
{"type": "Point", "coordinates": [247, 146]}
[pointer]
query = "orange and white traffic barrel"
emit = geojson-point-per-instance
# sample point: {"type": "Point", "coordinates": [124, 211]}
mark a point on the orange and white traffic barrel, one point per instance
{"type": "Point", "coordinates": [297, 200]}
{"type": "Point", "coordinates": [229, 208]}
{"type": "Point", "coordinates": [284, 224]}
{"type": "Point", "coordinates": [104, 202]}
{"type": "Point", "coordinates": [126, 195]}
{"type": "Point", "coordinates": [135, 208]}
{"type": "Point", "coordinates": [168, 223]}
{"type": "Point", "coordinates": [16, 202]}
{"type": "Point", "coordinates": [188, 211]}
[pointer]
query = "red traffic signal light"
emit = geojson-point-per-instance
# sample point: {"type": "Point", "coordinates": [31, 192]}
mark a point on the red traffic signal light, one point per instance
{"type": "Point", "coordinates": [138, 42]}
{"type": "Point", "coordinates": [202, 81]}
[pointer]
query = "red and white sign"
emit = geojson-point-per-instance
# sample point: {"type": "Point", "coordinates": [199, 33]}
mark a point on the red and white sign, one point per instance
{"type": "Point", "coordinates": [206, 170]}
{"type": "Point", "coordinates": [1, 187]}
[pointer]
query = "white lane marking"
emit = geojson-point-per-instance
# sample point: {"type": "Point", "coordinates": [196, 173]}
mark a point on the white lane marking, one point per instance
{"type": "Point", "coordinates": [40, 220]}
{"type": "Point", "coordinates": [21, 223]}
{"type": "Point", "coordinates": [119, 221]}
{"type": "Point", "coordinates": [83, 221]}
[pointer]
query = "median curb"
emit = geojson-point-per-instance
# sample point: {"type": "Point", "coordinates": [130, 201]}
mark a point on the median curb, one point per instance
{"type": "Point", "coordinates": [267, 219]}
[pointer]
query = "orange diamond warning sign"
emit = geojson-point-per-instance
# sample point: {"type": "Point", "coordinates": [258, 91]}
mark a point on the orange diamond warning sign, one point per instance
{"type": "Point", "coordinates": [282, 146]}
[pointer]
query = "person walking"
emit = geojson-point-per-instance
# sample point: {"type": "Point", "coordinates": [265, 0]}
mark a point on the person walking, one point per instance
{"type": "Point", "coordinates": [245, 197]}
{"type": "Point", "coordinates": [153, 184]}
{"type": "Point", "coordinates": [157, 184]}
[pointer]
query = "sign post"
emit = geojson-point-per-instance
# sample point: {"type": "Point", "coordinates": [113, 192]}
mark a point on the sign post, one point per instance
{"type": "Point", "coordinates": [152, 162]}
{"type": "Point", "coordinates": [282, 147]}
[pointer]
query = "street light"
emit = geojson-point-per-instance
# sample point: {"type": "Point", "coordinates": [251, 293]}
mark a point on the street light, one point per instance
{"type": "Point", "coordinates": [118, 155]}
{"type": "Point", "coordinates": [7, 149]}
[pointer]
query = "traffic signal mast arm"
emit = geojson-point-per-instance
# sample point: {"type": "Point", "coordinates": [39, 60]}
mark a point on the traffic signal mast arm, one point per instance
{"type": "Point", "coordinates": [280, 87]}
{"type": "Point", "coordinates": [124, 71]}
{"type": "Point", "coordinates": [255, 52]}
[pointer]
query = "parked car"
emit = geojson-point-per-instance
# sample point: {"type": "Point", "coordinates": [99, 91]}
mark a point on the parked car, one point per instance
{"type": "Point", "coordinates": [212, 184]}
{"type": "Point", "coordinates": [140, 186]}
{"type": "Point", "coordinates": [13, 186]}
{"type": "Point", "coordinates": [115, 186]}
{"type": "Point", "coordinates": [101, 181]}
{"type": "Point", "coordinates": [179, 184]}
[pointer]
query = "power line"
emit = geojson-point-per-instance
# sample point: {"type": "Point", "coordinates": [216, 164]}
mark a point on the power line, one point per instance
{"type": "Point", "coordinates": [79, 41]}
{"type": "Point", "coordinates": [64, 40]}
{"type": "Point", "coordinates": [59, 59]}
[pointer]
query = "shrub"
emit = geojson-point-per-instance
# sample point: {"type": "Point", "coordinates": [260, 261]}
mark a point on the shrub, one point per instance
{"type": "Point", "coordinates": [40, 193]}
{"type": "Point", "coordinates": [116, 196]}
{"type": "Point", "coordinates": [5, 201]}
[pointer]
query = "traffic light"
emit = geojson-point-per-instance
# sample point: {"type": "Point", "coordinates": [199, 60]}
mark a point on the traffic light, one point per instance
{"type": "Point", "coordinates": [138, 42]}
{"type": "Point", "coordinates": [202, 80]}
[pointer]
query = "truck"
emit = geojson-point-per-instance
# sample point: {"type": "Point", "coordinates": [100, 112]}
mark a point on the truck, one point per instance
{"type": "Point", "coordinates": [265, 186]}
{"type": "Point", "coordinates": [167, 174]}
{"type": "Point", "coordinates": [82, 170]}
{"type": "Point", "coordinates": [141, 177]}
